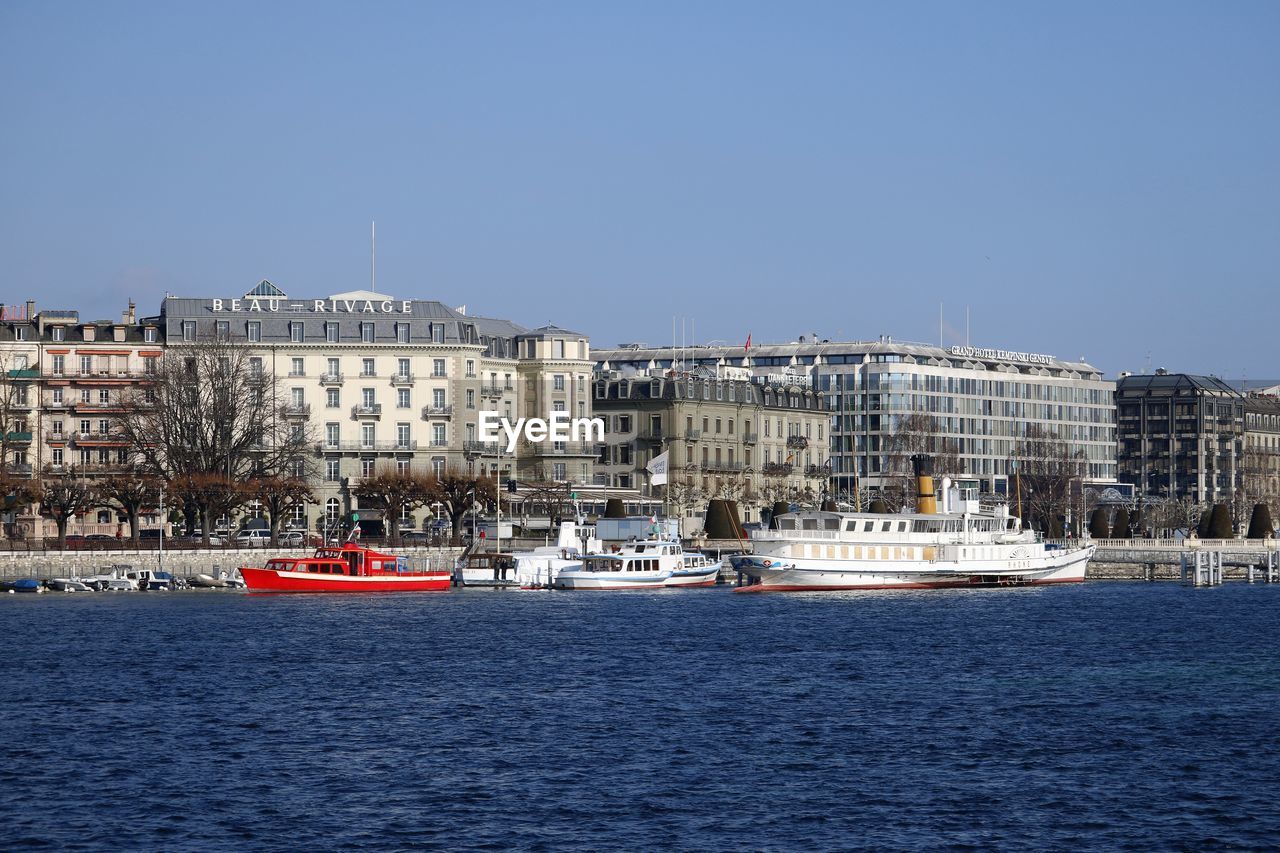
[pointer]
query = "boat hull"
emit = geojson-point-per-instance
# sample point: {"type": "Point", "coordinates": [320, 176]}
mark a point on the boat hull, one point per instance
{"type": "Point", "coordinates": [635, 580]}
{"type": "Point", "coordinates": [773, 575]}
{"type": "Point", "coordinates": [270, 580]}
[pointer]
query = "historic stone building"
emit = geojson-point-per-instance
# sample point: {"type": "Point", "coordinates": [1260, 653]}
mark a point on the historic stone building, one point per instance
{"type": "Point", "coordinates": [383, 381]}
{"type": "Point", "coordinates": [752, 442]}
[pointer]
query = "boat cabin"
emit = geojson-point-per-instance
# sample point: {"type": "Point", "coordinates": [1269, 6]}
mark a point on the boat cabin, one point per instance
{"type": "Point", "coordinates": [348, 559]}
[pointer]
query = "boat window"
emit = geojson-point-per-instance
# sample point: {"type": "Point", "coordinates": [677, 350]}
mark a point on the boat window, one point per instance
{"type": "Point", "coordinates": [884, 527]}
{"type": "Point", "coordinates": [868, 527]}
{"type": "Point", "coordinates": [831, 524]}
{"type": "Point", "coordinates": [902, 526]}
{"type": "Point", "coordinates": [786, 524]}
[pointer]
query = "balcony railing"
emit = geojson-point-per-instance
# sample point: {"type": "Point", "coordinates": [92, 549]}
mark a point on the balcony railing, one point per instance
{"type": "Point", "coordinates": [750, 438]}
{"type": "Point", "coordinates": [402, 379]}
{"type": "Point", "coordinates": [331, 379]}
{"type": "Point", "coordinates": [777, 469]}
{"type": "Point", "coordinates": [99, 438]}
{"type": "Point", "coordinates": [653, 435]}
{"type": "Point", "coordinates": [692, 434]}
{"type": "Point", "coordinates": [57, 436]}
{"type": "Point", "coordinates": [561, 448]}
{"type": "Point", "coordinates": [298, 410]}
{"type": "Point", "coordinates": [372, 411]}
{"type": "Point", "coordinates": [436, 412]}
{"type": "Point", "coordinates": [797, 442]}
{"type": "Point", "coordinates": [439, 442]}
{"type": "Point", "coordinates": [722, 466]}
{"type": "Point", "coordinates": [492, 390]}
{"type": "Point", "coordinates": [481, 448]}
{"type": "Point", "coordinates": [340, 446]}
{"type": "Point", "coordinates": [19, 437]}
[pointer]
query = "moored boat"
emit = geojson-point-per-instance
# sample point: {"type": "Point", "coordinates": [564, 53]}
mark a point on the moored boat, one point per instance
{"type": "Point", "coordinates": [345, 568]}
{"type": "Point", "coordinates": [962, 546]}
{"type": "Point", "coordinates": [647, 564]}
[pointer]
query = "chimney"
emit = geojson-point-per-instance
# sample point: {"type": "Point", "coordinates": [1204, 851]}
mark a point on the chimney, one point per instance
{"type": "Point", "coordinates": [130, 316]}
{"type": "Point", "coordinates": [31, 309]}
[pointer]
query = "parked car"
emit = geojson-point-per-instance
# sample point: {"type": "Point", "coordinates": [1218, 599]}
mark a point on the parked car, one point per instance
{"type": "Point", "coordinates": [197, 539]}
{"type": "Point", "coordinates": [253, 539]}
{"type": "Point", "coordinates": [293, 538]}
{"type": "Point", "coordinates": [416, 537]}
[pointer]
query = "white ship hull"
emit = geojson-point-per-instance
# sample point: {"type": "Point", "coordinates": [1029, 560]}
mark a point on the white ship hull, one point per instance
{"type": "Point", "coordinates": [636, 580]}
{"type": "Point", "coordinates": [775, 574]}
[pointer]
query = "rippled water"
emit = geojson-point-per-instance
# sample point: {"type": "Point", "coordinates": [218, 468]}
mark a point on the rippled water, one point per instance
{"type": "Point", "coordinates": [1100, 716]}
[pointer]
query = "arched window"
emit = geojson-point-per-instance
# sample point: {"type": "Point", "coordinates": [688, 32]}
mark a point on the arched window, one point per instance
{"type": "Point", "coordinates": [332, 509]}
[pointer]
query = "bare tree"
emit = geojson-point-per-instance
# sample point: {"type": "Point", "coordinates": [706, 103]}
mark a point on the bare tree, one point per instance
{"type": "Point", "coordinates": [392, 492]}
{"type": "Point", "coordinates": [210, 409]}
{"type": "Point", "coordinates": [15, 405]}
{"type": "Point", "coordinates": [63, 496]}
{"type": "Point", "coordinates": [1045, 466]}
{"type": "Point", "coordinates": [280, 496]}
{"type": "Point", "coordinates": [129, 493]}
{"type": "Point", "coordinates": [684, 491]}
{"type": "Point", "coordinates": [458, 492]}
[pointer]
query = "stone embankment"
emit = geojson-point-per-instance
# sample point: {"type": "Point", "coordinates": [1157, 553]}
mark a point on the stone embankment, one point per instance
{"type": "Point", "coordinates": [180, 563]}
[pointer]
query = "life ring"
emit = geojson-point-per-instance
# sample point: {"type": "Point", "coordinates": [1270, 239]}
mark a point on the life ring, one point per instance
{"type": "Point", "coordinates": [766, 563]}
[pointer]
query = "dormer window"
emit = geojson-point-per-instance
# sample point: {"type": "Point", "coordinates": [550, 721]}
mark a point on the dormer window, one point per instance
{"type": "Point", "coordinates": [89, 333]}
{"type": "Point", "coordinates": [119, 334]}
{"type": "Point", "coordinates": [59, 333]}
{"type": "Point", "coordinates": [148, 335]}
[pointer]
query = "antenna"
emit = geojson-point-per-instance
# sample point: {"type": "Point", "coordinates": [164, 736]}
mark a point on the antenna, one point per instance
{"type": "Point", "coordinates": [939, 324]}
{"type": "Point", "coordinates": [373, 256]}
{"type": "Point", "coordinates": [966, 325]}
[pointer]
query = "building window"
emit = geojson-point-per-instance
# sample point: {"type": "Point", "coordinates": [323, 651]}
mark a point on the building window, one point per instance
{"type": "Point", "coordinates": [331, 475]}
{"type": "Point", "coordinates": [253, 330]}
{"type": "Point", "coordinates": [437, 333]}
{"type": "Point", "coordinates": [471, 398]}
{"type": "Point", "coordinates": [149, 335]}
{"type": "Point", "coordinates": [557, 382]}
{"type": "Point", "coordinates": [255, 367]}
{"type": "Point", "coordinates": [331, 433]}
{"type": "Point", "coordinates": [59, 364]}
{"type": "Point", "coordinates": [296, 368]}
{"type": "Point", "coordinates": [297, 397]}
{"type": "Point", "coordinates": [402, 466]}
{"type": "Point", "coordinates": [366, 333]}
{"type": "Point", "coordinates": [222, 330]}
{"type": "Point", "coordinates": [402, 435]}
{"type": "Point", "coordinates": [333, 367]}
{"type": "Point", "coordinates": [438, 398]}
{"type": "Point", "coordinates": [366, 435]}
{"type": "Point", "coordinates": [437, 466]}
{"type": "Point", "coordinates": [86, 365]}
{"type": "Point", "coordinates": [437, 367]}
{"type": "Point", "coordinates": [402, 333]}
{"type": "Point", "coordinates": [367, 397]}
{"type": "Point", "coordinates": [402, 398]}
{"type": "Point", "coordinates": [104, 395]}
{"type": "Point", "coordinates": [471, 369]}
{"type": "Point", "coordinates": [366, 367]}
{"type": "Point", "coordinates": [402, 368]}
{"type": "Point", "coordinates": [295, 332]}
{"type": "Point", "coordinates": [188, 330]}
{"type": "Point", "coordinates": [438, 435]}
{"type": "Point", "coordinates": [331, 398]}
{"type": "Point", "coordinates": [559, 353]}
{"type": "Point", "coordinates": [331, 332]}
{"type": "Point", "coordinates": [57, 456]}
{"type": "Point", "coordinates": [59, 333]}
{"type": "Point", "coordinates": [57, 396]}
{"type": "Point", "coordinates": [557, 470]}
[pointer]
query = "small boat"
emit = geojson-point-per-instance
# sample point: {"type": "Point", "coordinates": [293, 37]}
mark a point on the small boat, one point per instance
{"type": "Point", "coordinates": [152, 579]}
{"type": "Point", "coordinates": [647, 564]}
{"type": "Point", "coordinates": [344, 568]}
{"type": "Point", "coordinates": [69, 585]}
{"type": "Point", "coordinates": [28, 585]}
{"type": "Point", "coordinates": [115, 579]}
{"type": "Point", "coordinates": [537, 569]}
{"type": "Point", "coordinates": [203, 581]}
{"type": "Point", "coordinates": [495, 569]}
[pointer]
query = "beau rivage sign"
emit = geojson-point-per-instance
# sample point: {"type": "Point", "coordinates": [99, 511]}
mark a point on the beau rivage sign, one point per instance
{"type": "Point", "coordinates": [318, 306]}
{"type": "Point", "coordinates": [1002, 355]}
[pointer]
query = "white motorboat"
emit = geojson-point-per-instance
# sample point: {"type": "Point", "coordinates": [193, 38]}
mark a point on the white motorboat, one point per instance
{"type": "Point", "coordinates": [963, 546]}
{"type": "Point", "coordinates": [646, 564]}
{"type": "Point", "coordinates": [116, 579]}
{"type": "Point", "coordinates": [69, 585]}
{"type": "Point", "coordinates": [538, 569]}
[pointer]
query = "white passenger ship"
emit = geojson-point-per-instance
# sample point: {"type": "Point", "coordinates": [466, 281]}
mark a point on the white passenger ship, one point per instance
{"type": "Point", "coordinates": [648, 564]}
{"type": "Point", "coordinates": [960, 547]}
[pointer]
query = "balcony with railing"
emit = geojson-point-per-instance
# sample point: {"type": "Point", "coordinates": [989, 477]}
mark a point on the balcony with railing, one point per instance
{"type": "Point", "coordinates": [330, 378]}
{"type": "Point", "coordinates": [652, 436]}
{"type": "Point", "coordinates": [797, 442]}
{"type": "Point", "coordinates": [692, 434]}
{"type": "Point", "coordinates": [360, 445]}
{"type": "Point", "coordinates": [19, 437]}
{"type": "Point", "coordinates": [24, 373]}
{"type": "Point", "coordinates": [750, 437]}
{"type": "Point", "coordinates": [95, 438]}
{"type": "Point", "coordinates": [401, 379]}
{"type": "Point", "coordinates": [57, 437]}
{"type": "Point", "coordinates": [817, 471]}
{"type": "Point", "coordinates": [297, 410]}
{"type": "Point", "coordinates": [438, 443]}
{"type": "Point", "coordinates": [371, 411]}
{"type": "Point", "coordinates": [481, 448]}
{"type": "Point", "coordinates": [776, 469]}
{"type": "Point", "coordinates": [429, 412]}
{"type": "Point", "coordinates": [18, 469]}
{"type": "Point", "coordinates": [561, 448]}
{"type": "Point", "coordinates": [491, 390]}
{"type": "Point", "coordinates": [728, 467]}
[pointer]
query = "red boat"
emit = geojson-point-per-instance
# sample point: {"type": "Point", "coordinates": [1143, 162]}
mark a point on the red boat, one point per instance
{"type": "Point", "coordinates": [346, 568]}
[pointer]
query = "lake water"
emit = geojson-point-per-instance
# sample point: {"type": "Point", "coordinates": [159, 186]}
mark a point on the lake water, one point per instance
{"type": "Point", "coordinates": [1104, 715]}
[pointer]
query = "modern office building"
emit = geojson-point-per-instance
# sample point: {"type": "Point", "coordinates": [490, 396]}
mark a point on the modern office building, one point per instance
{"type": "Point", "coordinates": [751, 442]}
{"type": "Point", "coordinates": [980, 401]}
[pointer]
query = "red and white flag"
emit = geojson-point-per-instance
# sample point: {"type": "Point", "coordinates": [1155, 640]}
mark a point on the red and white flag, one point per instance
{"type": "Point", "coordinates": [747, 346]}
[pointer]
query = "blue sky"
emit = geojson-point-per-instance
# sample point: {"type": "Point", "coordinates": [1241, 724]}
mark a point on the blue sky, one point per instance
{"type": "Point", "coordinates": [1090, 179]}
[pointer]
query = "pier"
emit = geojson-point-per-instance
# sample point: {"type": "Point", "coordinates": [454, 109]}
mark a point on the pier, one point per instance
{"type": "Point", "coordinates": [1196, 562]}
